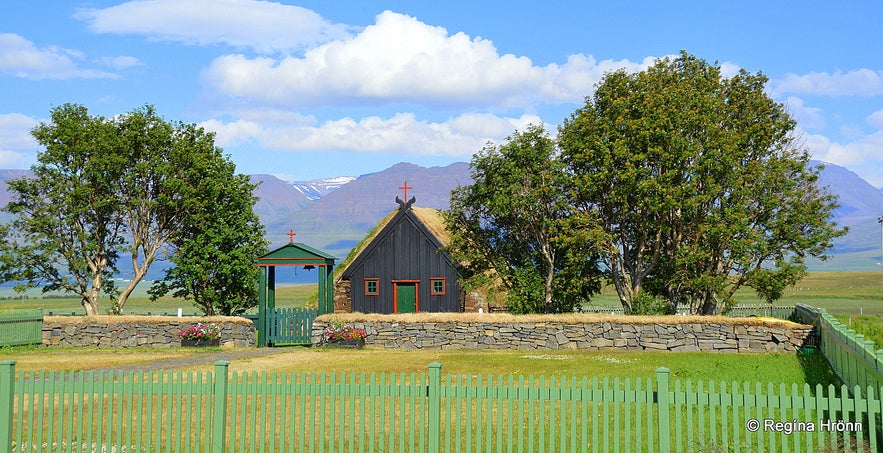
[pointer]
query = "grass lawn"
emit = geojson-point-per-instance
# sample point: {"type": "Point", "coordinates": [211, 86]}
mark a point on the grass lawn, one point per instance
{"type": "Point", "coordinates": [843, 293]}
{"type": "Point", "coordinates": [776, 368]}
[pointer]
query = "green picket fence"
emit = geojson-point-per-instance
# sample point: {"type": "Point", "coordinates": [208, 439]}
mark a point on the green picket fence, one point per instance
{"type": "Point", "coordinates": [854, 359]}
{"type": "Point", "coordinates": [290, 326]}
{"type": "Point", "coordinates": [21, 327]}
{"type": "Point", "coordinates": [319, 412]}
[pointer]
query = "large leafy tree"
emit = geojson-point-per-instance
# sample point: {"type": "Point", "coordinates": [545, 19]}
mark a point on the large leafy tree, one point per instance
{"type": "Point", "coordinates": [105, 188]}
{"type": "Point", "coordinates": [67, 228]}
{"type": "Point", "coordinates": [507, 227]}
{"type": "Point", "coordinates": [693, 185]}
{"type": "Point", "coordinates": [214, 255]}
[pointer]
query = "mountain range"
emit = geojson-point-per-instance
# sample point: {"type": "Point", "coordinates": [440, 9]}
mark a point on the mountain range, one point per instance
{"type": "Point", "coordinates": [334, 214]}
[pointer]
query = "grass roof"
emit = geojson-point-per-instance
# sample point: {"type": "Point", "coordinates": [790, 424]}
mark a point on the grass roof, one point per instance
{"type": "Point", "coordinates": [432, 219]}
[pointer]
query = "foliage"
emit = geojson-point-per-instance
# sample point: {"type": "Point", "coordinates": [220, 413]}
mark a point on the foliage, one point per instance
{"type": "Point", "coordinates": [67, 230]}
{"type": "Point", "coordinates": [692, 185]}
{"type": "Point", "coordinates": [647, 304]}
{"type": "Point", "coordinates": [106, 188]}
{"type": "Point", "coordinates": [341, 331]}
{"type": "Point", "coordinates": [507, 227]}
{"type": "Point", "coordinates": [201, 332]}
{"type": "Point", "coordinates": [214, 252]}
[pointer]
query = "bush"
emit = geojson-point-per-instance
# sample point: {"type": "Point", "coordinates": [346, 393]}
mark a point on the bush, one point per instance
{"type": "Point", "coordinates": [645, 304]}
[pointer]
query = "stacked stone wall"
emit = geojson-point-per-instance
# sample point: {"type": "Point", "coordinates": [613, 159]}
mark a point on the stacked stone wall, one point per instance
{"type": "Point", "coordinates": [711, 337]}
{"type": "Point", "coordinates": [135, 331]}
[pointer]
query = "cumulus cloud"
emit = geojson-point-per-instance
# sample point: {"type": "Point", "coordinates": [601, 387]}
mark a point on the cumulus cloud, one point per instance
{"type": "Point", "coordinates": [21, 58]}
{"type": "Point", "coordinates": [400, 59]}
{"type": "Point", "coordinates": [807, 117]}
{"type": "Point", "coordinates": [403, 132]}
{"type": "Point", "coordinates": [863, 155]}
{"type": "Point", "coordinates": [15, 131]}
{"type": "Point", "coordinates": [876, 119]}
{"type": "Point", "coordinates": [260, 25]}
{"type": "Point", "coordinates": [17, 147]}
{"type": "Point", "coordinates": [859, 82]}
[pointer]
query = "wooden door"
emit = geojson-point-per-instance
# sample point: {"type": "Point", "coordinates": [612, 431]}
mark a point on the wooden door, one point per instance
{"type": "Point", "coordinates": [405, 297]}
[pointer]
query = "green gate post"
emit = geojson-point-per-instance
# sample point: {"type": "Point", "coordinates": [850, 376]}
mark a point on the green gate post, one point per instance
{"type": "Point", "coordinates": [323, 293]}
{"type": "Point", "coordinates": [434, 417]}
{"type": "Point", "coordinates": [262, 308]}
{"type": "Point", "coordinates": [219, 410]}
{"type": "Point", "coordinates": [663, 409]}
{"type": "Point", "coordinates": [329, 288]}
{"type": "Point", "coordinates": [7, 397]}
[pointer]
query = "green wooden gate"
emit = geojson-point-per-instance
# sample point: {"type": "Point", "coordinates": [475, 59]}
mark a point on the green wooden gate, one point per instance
{"type": "Point", "coordinates": [290, 326]}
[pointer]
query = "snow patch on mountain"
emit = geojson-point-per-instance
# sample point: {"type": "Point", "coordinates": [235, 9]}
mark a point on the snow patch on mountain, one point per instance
{"type": "Point", "coordinates": [318, 188]}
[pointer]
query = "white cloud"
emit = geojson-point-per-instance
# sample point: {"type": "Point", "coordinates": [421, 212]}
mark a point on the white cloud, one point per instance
{"type": "Point", "coordinates": [864, 155]}
{"type": "Point", "coordinates": [876, 119]}
{"type": "Point", "coordinates": [400, 59]}
{"type": "Point", "coordinates": [15, 131]}
{"type": "Point", "coordinates": [807, 117]}
{"type": "Point", "coordinates": [859, 82]}
{"type": "Point", "coordinates": [11, 159]}
{"type": "Point", "coordinates": [403, 132]}
{"type": "Point", "coordinates": [21, 58]}
{"type": "Point", "coordinates": [121, 63]}
{"type": "Point", "coordinates": [260, 25]}
{"type": "Point", "coordinates": [17, 147]}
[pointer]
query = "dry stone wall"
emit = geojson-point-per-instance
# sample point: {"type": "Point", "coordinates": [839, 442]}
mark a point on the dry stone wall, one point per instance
{"type": "Point", "coordinates": [710, 337]}
{"type": "Point", "coordinates": [133, 331]}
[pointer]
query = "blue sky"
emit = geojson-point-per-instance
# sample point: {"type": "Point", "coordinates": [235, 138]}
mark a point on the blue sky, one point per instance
{"type": "Point", "coordinates": [314, 89]}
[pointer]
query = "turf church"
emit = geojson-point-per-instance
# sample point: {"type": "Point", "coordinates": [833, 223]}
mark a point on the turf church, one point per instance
{"type": "Point", "coordinates": [400, 268]}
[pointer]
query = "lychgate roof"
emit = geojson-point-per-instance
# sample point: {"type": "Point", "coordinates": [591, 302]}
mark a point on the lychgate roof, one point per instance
{"type": "Point", "coordinates": [296, 254]}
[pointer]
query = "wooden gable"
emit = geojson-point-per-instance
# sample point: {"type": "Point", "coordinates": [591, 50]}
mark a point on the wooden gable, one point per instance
{"type": "Point", "coordinates": [404, 254]}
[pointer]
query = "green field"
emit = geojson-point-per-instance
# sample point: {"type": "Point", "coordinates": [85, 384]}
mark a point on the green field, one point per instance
{"type": "Point", "coordinates": [139, 303]}
{"type": "Point", "coordinates": [837, 292]}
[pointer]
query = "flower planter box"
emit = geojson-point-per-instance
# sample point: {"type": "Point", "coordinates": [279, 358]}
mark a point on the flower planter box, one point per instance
{"type": "Point", "coordinates": [201, 343]}
{"type": "Point", "coordinates": [355, 344]}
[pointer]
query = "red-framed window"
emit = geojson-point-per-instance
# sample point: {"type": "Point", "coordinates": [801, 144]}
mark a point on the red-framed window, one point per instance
{"type": "Point", "coordinates": [372, 286]}
{"type": "Point", "coordinates": [438, 286]}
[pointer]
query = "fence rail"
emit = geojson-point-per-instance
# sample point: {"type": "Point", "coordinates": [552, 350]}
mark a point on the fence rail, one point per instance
{"type": "Point", "coordinates": [254, 412]}
{"type": "Point", "coordinates": [21, 327]}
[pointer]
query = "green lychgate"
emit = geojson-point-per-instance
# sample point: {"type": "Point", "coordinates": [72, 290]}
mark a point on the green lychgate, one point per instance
{"type": "Point", "coordinates": [298, 255]}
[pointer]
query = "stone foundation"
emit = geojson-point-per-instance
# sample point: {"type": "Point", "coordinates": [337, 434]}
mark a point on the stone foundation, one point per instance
{"type": "Point", "coordinates": [751, 337]}
{"type": "Point", "coordinates": [134, 331]}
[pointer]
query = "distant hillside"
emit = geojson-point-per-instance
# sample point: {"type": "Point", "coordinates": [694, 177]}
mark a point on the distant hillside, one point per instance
{"type": "Point", "coordinates": [5, 196]}
{"type": "Point", "coordinates": [277, 199]}
{"type": "Point", "coordinates": [339, 220]}
{"type": "Point", "coordinates": [335, 214]}
{"type": "Point", "coordinates": [861, 204]}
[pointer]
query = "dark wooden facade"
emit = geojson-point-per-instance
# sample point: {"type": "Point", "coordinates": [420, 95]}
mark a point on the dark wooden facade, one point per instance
{"type": "Point", "coordinates": [402, 269]}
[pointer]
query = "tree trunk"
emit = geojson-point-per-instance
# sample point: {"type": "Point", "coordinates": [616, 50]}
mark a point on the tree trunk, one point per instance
{"type": "Point", "coordinates": [90, 303]}
{"type": "Point", "coordinates": [140, 272]}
